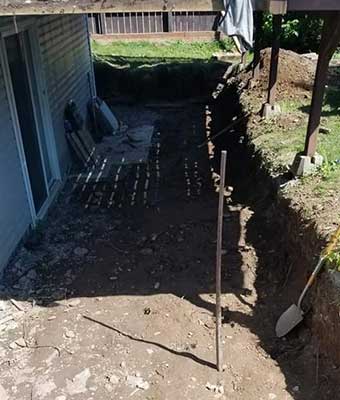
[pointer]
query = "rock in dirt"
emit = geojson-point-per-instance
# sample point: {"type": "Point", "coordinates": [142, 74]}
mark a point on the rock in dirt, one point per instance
{"type": "Point", "coordinates": [147, 311]}
{"type": "Point", "coordinates": [80, 251]}
{"type": "Point", "coordinates": [21, 342]}
{"type": "Point", "coordinates": [137, 382]}
{"type": "Point", "coordinates": [215, 388]}
{"type": "Point", "coordinates": [70, 334]}
{"type": "Point", "coordinates": [73, 303]}
{"type": "Point", "coordinates": [114, 379]}
{"type": "Point", "coordinates": [78, 383]}
{"type": "Point", "coordinates": [13, 346]}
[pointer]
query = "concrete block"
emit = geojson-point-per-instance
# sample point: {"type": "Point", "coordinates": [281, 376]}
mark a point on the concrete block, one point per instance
{"type": "Point", "coordinates": [305, 165]}
{"type": "Point", "coordinates": [269, 111]}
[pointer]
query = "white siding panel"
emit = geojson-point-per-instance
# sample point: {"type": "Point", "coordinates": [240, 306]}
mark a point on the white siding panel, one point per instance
{"type": "Point", "coordinates": [66, 63]}
{"type": "Point", "coordinates": [15, 214]}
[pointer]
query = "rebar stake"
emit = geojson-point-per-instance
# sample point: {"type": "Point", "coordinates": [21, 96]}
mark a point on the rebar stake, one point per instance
{"type": "Point", "coordinates": [219, 260]}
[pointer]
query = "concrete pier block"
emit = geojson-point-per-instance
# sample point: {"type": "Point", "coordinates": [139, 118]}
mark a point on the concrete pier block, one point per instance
{"type": "Point", "coordinates": [305, 165]}
{"type": "Point", "coordinates": [269, 111]}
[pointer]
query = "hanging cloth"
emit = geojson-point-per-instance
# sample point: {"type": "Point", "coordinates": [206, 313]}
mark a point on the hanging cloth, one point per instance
{"type": "Point", "coordinates": [238, 22]}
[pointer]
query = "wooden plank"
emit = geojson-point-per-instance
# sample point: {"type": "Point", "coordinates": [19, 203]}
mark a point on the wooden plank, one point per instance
{"type": "Point", "coordinates": [37, 7]}
{"type": "Point", "coordinates": [277, 6]}
{"type": "Point", "coordinates": [79, 148]}
{"type": "Point", "coordinates": [88, 143]}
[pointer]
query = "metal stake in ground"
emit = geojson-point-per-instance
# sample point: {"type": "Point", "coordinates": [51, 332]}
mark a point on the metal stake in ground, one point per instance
{"type": "Point", "coordinates": [219, 260]}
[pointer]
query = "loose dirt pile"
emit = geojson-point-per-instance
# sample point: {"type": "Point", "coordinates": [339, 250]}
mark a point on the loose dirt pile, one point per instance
{"type": "Point", "coordinates": [295, 74]}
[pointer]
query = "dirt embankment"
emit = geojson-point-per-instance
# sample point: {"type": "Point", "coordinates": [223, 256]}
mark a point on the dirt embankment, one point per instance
{"type": "Point", "coordinates": [295, 76]}
{"type": "Point", "coordinates": [304, 221]}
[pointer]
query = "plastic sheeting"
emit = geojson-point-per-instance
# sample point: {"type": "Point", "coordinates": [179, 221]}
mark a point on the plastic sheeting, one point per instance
{"type": "Point", "coordinates": [238, 22]}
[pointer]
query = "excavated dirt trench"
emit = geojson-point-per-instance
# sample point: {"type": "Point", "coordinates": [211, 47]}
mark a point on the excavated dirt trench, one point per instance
{"type": "Point", "coordinates": [123, 296]}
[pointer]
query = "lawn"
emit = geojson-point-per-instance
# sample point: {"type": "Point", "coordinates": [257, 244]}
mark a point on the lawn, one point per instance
{"type": "Point", "coordinates": [284, 136]}
{"type": "Point", "coordinates": [135, 53]}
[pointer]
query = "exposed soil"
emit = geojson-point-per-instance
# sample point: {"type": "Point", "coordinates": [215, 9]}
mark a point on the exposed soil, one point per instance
{"type": "Point", "coordinates": [295, 75]}
{"type": "Point", "coordinates": [123, 298]}
{"type": "Point", "coordinates": [118, 302]}
{"type": "Point", "coordinates": [307, 216]}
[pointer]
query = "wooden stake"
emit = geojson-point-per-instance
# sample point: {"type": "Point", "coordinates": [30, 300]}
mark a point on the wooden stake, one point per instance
{"type": "Point", "coordinates": [219, 261]}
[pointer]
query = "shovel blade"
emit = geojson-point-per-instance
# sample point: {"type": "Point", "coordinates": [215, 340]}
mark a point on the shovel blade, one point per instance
{"type": "Point", "coordinates": [288, 320]}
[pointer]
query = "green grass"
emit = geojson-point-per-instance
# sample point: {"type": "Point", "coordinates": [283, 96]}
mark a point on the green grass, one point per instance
{"type": "Point", "coordinates": [287, 138]}
{"type": "Point", "coordinates": [280, 139]}
{"type": "Point", "coordinates": [144, 53]}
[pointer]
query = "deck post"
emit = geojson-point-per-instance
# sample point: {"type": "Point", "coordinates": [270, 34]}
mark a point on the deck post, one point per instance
{"type": "Point", "coordinates": [274, 61]}
{"type": "Point", "coordinates": [258, 44]}
{"type": "Point", "coordinates": [329, 42]}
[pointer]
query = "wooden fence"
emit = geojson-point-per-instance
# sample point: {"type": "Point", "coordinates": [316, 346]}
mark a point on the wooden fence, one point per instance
{"type": "Point", "coordinates": [151, 22]}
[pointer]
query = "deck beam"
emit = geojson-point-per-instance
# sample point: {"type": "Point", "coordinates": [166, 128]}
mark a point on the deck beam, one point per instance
{"type": "Point", "coordinates": [40, 7]}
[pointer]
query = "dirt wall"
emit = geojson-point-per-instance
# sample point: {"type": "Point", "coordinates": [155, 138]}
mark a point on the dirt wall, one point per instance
{"type": "Point", "coordinates": [299, 244]}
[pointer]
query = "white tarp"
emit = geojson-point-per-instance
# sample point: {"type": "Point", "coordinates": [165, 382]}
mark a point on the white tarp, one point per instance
{"type": "Point", "coordinates": [238, 22]}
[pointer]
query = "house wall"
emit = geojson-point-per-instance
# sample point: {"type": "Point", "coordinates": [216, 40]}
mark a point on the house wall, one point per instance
{"type": "Point", "coordinates": [66, 63]}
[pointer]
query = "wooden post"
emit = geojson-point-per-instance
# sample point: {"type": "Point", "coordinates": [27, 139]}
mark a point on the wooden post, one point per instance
{"type": "Point", "coordinates": [219, 355]}
{"type": "Point", "coordinates": [274, 61]}
{"type": "Point", "coordinates": [278, 6]}
{"type": "Point", "coordinates": [258, 44]}
{"type": "Point", "coordinates": [329, 42]}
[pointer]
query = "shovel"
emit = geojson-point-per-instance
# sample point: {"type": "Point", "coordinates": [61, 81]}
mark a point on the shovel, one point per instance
{"type": "Point", "coordinates": [294, 314]}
